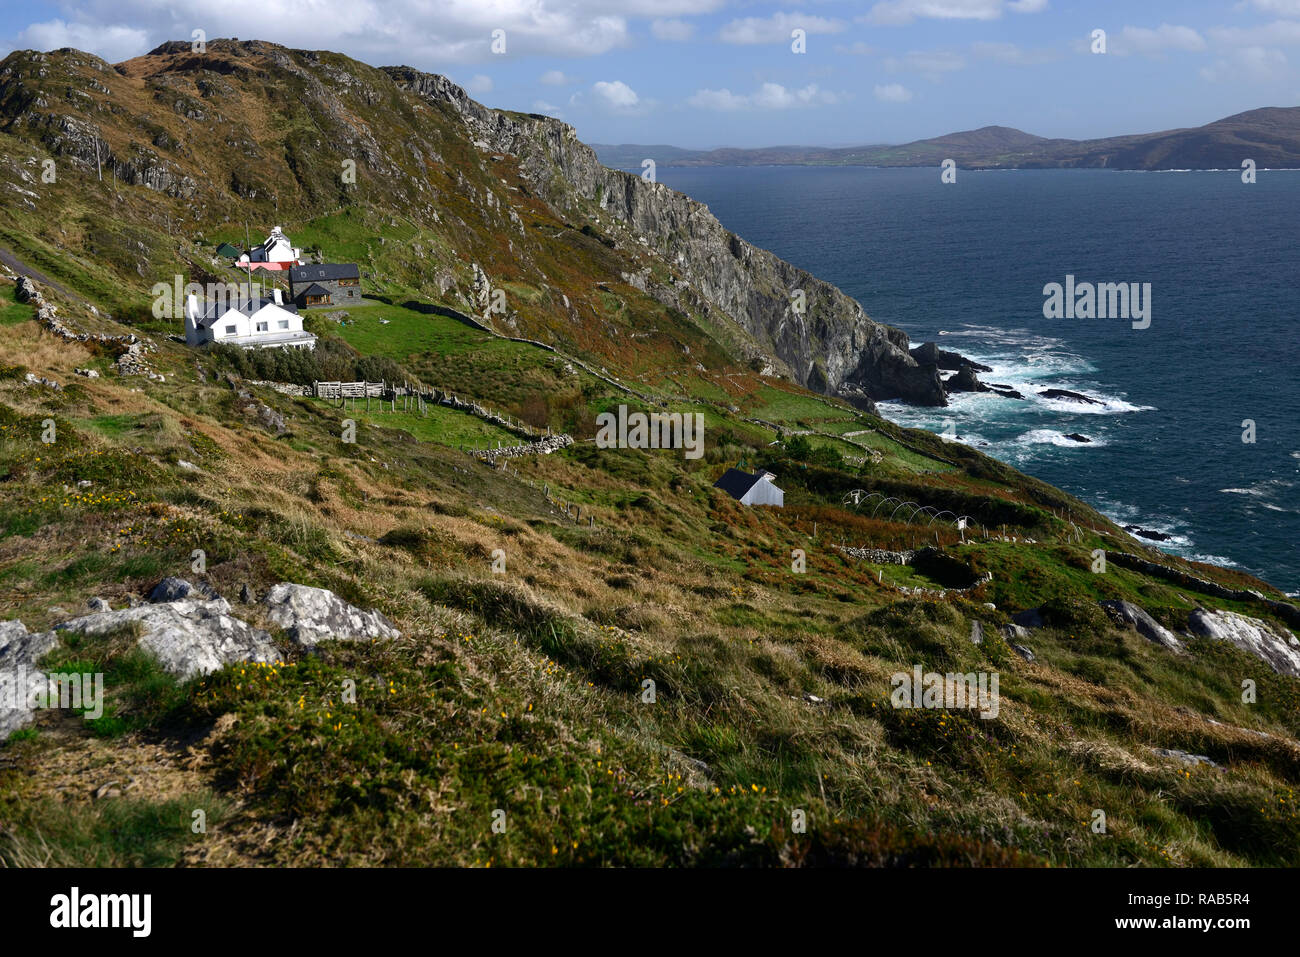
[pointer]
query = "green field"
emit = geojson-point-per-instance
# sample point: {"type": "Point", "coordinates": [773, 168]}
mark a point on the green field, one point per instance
{"type": "Point", "coordinates": [436, 424]}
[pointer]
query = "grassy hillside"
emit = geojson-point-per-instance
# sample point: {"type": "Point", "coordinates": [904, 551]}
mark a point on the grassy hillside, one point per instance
{"type": "Point", "coordinates": [525, 691]}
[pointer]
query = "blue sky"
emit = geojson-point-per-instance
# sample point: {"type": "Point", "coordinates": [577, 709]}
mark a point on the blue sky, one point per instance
{"type": "Point", "coordinates": [705, 73]}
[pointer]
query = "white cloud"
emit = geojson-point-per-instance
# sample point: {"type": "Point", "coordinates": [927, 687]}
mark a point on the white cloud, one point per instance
{"type": "Point", "coordinates": [1277, 33]}
{"type": "Point", "coordinates": [673, 31]}
{"type": "Point", "coordinates": [896, 12]}
{"type": "Point", "coordinates": [721, 100]}
{"type": "Point", "coordinates": [776, 28]}
{"type": "Point", "coordinates": [550, 109]}
{"type": "Point", "coordinates": [616, 95]}
{"type": "Point", "coordinates": [1012, 54]}
{"type": "Point", "coordinates": [479, 84]}
{"type": "Point", "coordinates": [557, 78]}
{"type": "Point", "coordinates": [893, 93]}
{"type": "Point", "coordinates": [1145, 41]}
{"type": "Point", "coordinates": [931, 64]}
{"type": "Point", "coordinates": [1286, 8]}
{"type": "Point", "coordinates": [424, 34]}
{"type": "Point", "coordinates": [1255, 64]}
{"type": "Point", "coordinates": [769, 96]}
{"type": "Point", "coordinates": [112, 42]}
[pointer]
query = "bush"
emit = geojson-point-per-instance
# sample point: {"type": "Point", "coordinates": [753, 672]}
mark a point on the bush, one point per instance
{"type": "Point", "coordinates": [331, 361]}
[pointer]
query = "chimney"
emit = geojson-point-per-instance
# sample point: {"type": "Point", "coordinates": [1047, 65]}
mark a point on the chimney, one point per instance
{"type": "Point", "coordinates": [192, 307]}
{"type": "Point", "coordinates": [276, 295]}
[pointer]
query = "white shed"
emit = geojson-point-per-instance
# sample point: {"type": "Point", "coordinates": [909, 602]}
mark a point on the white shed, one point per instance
{"type": "Point", "coordinates": [756, 489]}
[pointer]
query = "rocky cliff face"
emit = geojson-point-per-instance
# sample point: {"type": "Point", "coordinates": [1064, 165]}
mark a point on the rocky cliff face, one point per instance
{"type": "Point", "coordinates": [832, 346]}
{"type": "Point", "coordinates": [254, 130]}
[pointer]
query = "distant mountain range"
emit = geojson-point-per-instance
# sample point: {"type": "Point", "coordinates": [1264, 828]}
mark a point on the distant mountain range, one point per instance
{"type": "Point", "coordinates": [1269, 136]}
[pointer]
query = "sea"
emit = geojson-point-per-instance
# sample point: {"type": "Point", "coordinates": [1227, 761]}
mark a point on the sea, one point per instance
{"type": "Point", "coordinates": [1195, 430]}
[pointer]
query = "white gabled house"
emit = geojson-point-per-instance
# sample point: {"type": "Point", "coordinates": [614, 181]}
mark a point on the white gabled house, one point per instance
{"type": "Point", "coordinates": [253, 322]}
{"type": "Point", "coordinates": [756, 489]}
{"type": "Point", "coordinates": [276, 249]}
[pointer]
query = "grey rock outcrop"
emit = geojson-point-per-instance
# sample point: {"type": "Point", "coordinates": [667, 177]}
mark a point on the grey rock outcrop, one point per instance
{"type": "Point", "coordinates": [1183, 757]}
{"type": "Point", "coordinates": [1288, 612]}
{"type": "Point", "coordinates": [1146, 626]}
{"type": "Point", "coordinates": [175, 589]}
{"type": "Point", "coordinates": [1274, 644]}
{"type": "Point", "coordinates": [310, 615]}
{"type": "Point", "coordinates": [827, 344]}
{"type": "Point", "coordinates": [188, 637]}
{"type": "Point", "coordinates": [1014, 633]}
{"type": "Point", "coordinates": [20, 650]}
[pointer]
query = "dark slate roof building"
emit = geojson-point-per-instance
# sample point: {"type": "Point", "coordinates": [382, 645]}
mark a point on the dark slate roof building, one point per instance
{"type": "Point", "coordinates": [756, 489]}
{"type": "Point", "coordinates": [320, 272]}
{"type": "Point", "coordinates": [325, 284]}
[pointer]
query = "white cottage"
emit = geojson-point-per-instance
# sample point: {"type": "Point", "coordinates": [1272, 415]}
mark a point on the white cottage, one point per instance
{"type": "Point", "coordinates": [255, 322]}
{"type": "Point", "coordinates": [276, 249]}
{"type": "Point", "coordinates": [756, 489]}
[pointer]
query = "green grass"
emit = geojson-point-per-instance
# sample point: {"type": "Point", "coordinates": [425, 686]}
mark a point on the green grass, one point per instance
{"type": "Point", "coordinates": [412, 333]}
{"type": "Point", "coordinates": [12, 311]}
{"type": "Point", "coordinates": [438, 424]}
{"type": "Point", "coordinates": [115, 833]}
{"type": "Point", "coordinates": [778, 405]}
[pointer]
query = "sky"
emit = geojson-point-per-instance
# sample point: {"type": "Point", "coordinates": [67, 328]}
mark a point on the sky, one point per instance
{"type": "Point", "coordinates": [709, 73]}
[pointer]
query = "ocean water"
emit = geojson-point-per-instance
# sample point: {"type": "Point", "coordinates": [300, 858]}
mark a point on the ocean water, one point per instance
{"type": "Point", "coordinates": [965, 265]}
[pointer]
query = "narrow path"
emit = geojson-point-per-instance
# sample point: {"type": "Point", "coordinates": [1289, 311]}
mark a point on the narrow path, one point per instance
{"type": "Point", "coordinates": [22, 269]}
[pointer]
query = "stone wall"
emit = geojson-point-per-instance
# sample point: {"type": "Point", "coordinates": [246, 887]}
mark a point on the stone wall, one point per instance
{"type": "Point", "coordinates": [130, 361]}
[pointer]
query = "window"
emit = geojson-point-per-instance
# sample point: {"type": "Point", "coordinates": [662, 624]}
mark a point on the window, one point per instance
{"type": "Point", "coordinates": [262, 327]}
{"type": "Point", "coordinates": [230, 330]}
{"type": "Point", "coordinates": [283, 324]}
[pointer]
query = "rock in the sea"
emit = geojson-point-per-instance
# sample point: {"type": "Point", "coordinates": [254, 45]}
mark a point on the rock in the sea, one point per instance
{"type": "Point", "coordinates": [1005, 391]}
{"type": "Point", "coordinates": [1068, 396]}
{"type": "Point", "coordinates": [1141, 532]}
{"type": "Point", "coordinates": [188, 637]}
{"type": "Point", "coordinates": [1274, 644]}
{"type": "Point", "coordinates": [1147, 627]}
{"type": "Point", "coordinates": [965, 381]}
{"type": "Point", "coordinates": [929, 354]}
{"type": "Point", "coordinates": [20, 650]}
{"type": "Point", "coordinates": [310, 615]}
{"type": "Point", "coordinates": [1077, 437]}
